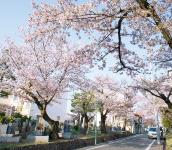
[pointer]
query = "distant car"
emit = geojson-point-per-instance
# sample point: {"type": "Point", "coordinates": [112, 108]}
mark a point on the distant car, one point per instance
{"type": "Point", "coordinates": [152, 133]}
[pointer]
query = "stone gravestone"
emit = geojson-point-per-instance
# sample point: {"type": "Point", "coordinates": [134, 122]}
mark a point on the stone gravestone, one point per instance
{"type": "Point", "coordinates": [10, 129]}
{"type": "Point", "coordinates": [7, 138]}
{"type": "Point", "coordinates": [33, 125]}
{"type": "Point", "coordinates": [66, 126]}
{"type": "Point", "coordinates": [3, 129]}
{"type": "Point", "coordinates": [61, 130]}
{"type": "Point", "coordinates": [16, 126]}
{"type": "Point", "coordinates": [67, 134]}
{"type": "Point", "coordinates": [37, 136]}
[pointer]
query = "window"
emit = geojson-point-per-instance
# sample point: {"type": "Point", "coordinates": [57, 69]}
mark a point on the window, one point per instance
{"type": "Point", "coordinates": [152, 129]}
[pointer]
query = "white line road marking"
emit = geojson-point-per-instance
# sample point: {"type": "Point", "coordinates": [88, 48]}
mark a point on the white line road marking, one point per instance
{"type": "Point", "coordinates": [123, 139]}
{"type": "Point", "coordinates": [150, 145]}
{"type": "Point", "coordinates": [114, 141]}
{"type": "Point", "coordinates": [96, 147]}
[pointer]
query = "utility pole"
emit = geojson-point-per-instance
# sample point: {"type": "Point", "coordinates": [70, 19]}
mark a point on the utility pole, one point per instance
{"type": "Point", "coordinates": [95, 127]}
{"type": "Point", "coordinates": [95, 123]}
{"type": "Point", "coordinates": [158, 129]}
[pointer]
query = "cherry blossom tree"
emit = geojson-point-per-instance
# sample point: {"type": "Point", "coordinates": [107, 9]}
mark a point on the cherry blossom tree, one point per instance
{"type": "Point", "coordinates": [111, 99]}
{"type": "Point", "coordinates": [148, 105]}
{"type": "Point", "coordinates": [4, 73]}
{"type": "Point", "coordinates": [127, 103]}
{"type": "Point", "coordinates": [42, 71]}
{"type": "Point", "coordinates": [112, 26]}
{"type": "Point", "coordinates": [83, 104]}
{"type": "Point", "coordinates": [159, 88]}
{"type": "Point", "coordinates": [105, 91]}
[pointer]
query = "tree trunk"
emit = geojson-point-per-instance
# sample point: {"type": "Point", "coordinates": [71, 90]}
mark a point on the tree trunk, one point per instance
{"type": "Point", "coordinates": [103, 125]}
{"type": "Point", "coordinates": [27, 129]}
{"type": "Point", "coordinates": [54, 124]}
{"type": "Point", "coordinates": [125, 124]}
{"type": "Point", "coordinates": [55, 130]}
{"type": "Point", "coordinates": [144, 4]}
{"type": "Point", "coordinates": [81, 121]}
{"type": "Point", "coordinates": [168, 102]}
{"type": "Point", "coordinates": [20, 127]}
{"type": "Point", "coordinates": [170, 106]}
{"type": "Point", "coordinates": [42, 107]}
{"type": "Point", "coordinates": [86, 124]}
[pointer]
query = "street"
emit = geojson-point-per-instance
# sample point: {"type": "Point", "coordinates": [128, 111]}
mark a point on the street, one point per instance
{"type": "Point", "coordinates": [137, 142]}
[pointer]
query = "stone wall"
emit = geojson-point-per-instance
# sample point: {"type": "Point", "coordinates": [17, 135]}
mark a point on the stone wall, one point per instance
{"type": "Point", "coordinates": [70, 144]}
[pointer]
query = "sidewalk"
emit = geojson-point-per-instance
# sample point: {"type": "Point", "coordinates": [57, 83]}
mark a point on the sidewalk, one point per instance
{"type": "Point", "coordinates": [155, 146]}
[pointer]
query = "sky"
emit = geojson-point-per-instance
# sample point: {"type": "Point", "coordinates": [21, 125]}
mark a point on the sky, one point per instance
{"type": "Point", "coordinates": [14, 15]}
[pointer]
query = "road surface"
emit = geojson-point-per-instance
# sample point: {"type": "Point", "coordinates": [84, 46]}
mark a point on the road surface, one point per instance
{"type": "Point", "coordinates": [136, 142]}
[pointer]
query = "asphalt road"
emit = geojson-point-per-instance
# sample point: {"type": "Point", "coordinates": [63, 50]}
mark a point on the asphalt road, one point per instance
{"type": "Point", "coordinates": [137, 142]}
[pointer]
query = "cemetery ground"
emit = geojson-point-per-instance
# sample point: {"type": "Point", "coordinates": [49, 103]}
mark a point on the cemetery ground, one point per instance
{"type": "Point", "coordinates": [73, 143]}
{"type": "Point", "coordinates": [22, 132]}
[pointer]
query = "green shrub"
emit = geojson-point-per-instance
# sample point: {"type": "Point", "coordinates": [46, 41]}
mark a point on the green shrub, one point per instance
{"type": "Point", "coordinates": [17, 115]}
{"type": "Point", "coordinates": [167, 122]}
{"type": "Point", "coordinates": [4, 93]}
{"type": "Point", "coordinates": [2, 114]}
{"type": "Point", "coordinates": [167, 118]}
{"type": "Point", "coordinates": [169, 141]}
{"type": "Point", "coordinates": [10, 119]}
{"type": "Point", "coordinates": [1, 119]}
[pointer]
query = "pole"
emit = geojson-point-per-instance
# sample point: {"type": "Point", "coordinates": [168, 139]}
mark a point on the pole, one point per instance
{"type": "Point", "coordinates": [96, 128]}
{"type": "Point", "coordinates": [158, 130]}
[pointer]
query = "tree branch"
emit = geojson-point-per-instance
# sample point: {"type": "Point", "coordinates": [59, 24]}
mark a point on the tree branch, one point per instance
{"type": "Point", "coordinates": [123, 65]}
{"type": "Point", "coordinates": [170, 93]}
{"type": "Point", "coordinates": [144, 4]}
{"type": "Point", "coordinates": [149, 91]}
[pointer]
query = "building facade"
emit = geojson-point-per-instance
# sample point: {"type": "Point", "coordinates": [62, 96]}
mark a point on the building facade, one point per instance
{"type": "Point", "coordinates": [12, 103]}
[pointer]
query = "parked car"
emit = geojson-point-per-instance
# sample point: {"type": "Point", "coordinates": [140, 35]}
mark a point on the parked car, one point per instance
{"type": "Point", "coordinates": [152, 133]}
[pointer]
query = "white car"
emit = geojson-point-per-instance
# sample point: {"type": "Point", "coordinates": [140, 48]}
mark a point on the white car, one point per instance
{"type": "Point", "coordinates": [152, 133]}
